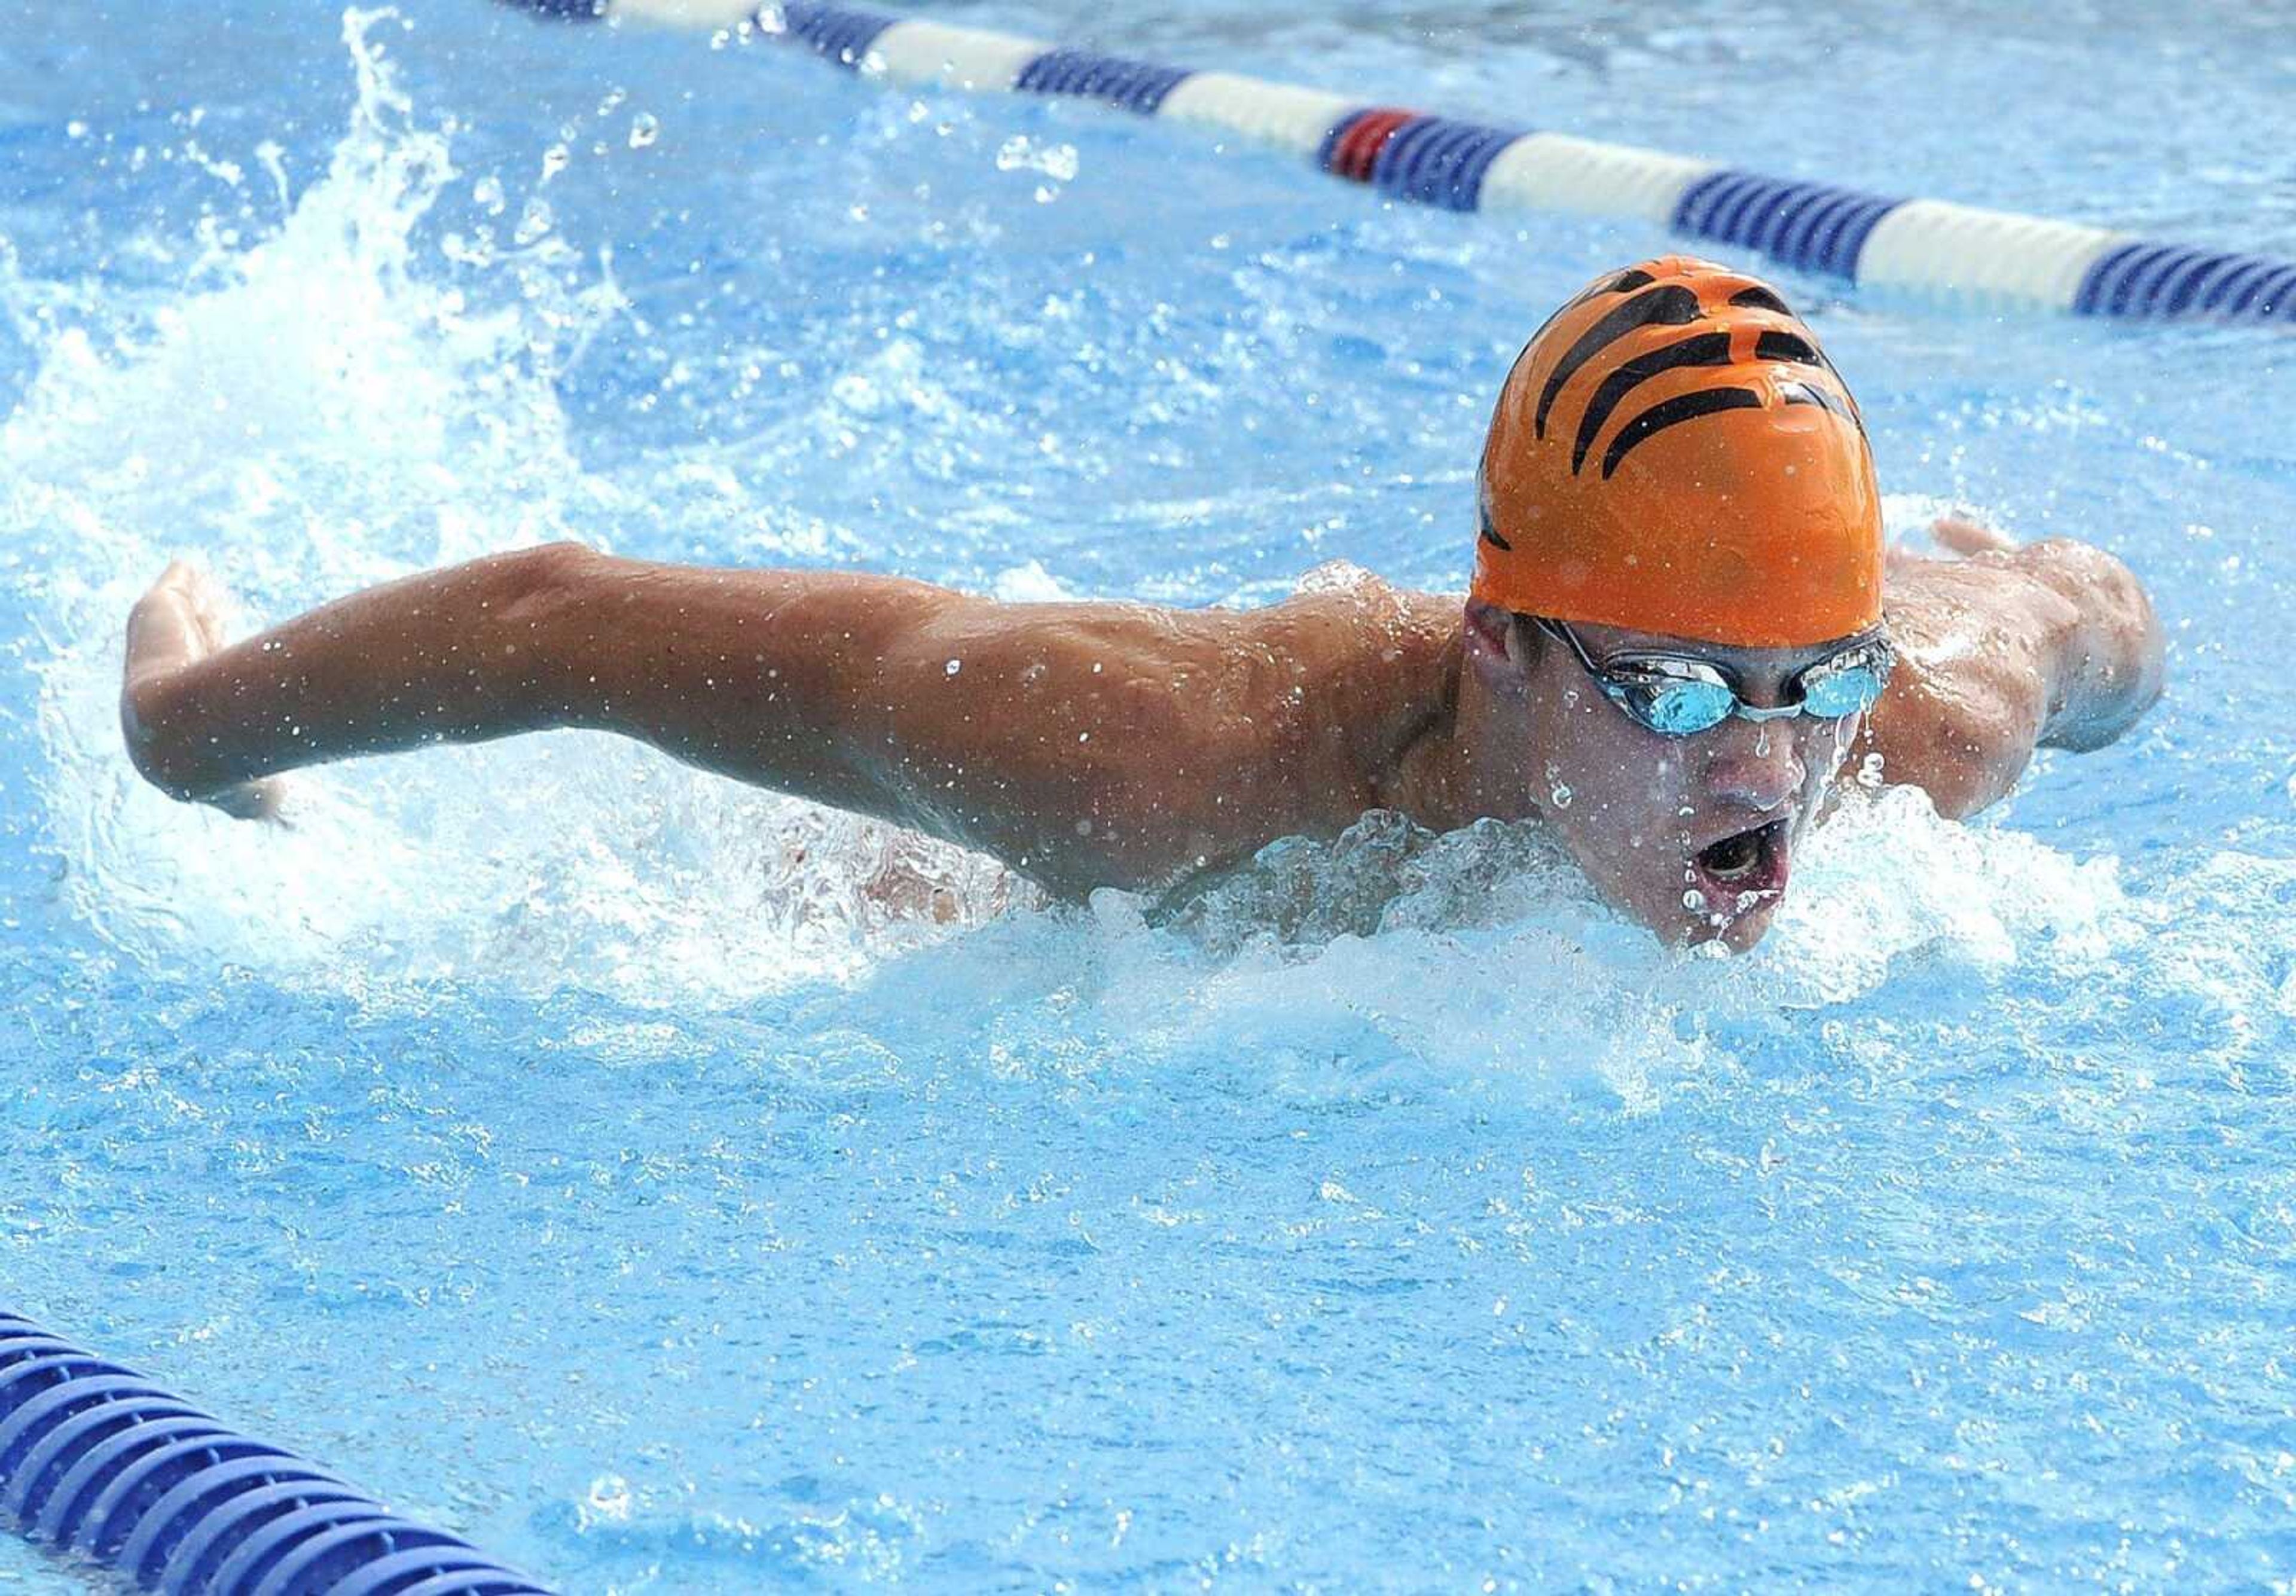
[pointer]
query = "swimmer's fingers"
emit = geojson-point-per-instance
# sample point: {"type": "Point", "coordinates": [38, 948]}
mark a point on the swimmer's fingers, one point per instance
{"type": "Point", "coordinates": [1965, 537]}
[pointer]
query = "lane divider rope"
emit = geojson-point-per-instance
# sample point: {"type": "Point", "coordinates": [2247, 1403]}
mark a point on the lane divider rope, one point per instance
{"type": "Point", "coordinates": [1991, 257]}
{"type": "Point", "coordinates": [96, 1460]}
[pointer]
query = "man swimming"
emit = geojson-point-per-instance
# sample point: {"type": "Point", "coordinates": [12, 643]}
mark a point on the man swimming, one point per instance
{"type": "Point", "coordinates": [1682, 631]}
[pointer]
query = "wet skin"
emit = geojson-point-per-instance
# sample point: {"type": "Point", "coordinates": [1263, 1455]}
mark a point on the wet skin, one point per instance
{"type": "Point", "coordinates": [1092, 744]}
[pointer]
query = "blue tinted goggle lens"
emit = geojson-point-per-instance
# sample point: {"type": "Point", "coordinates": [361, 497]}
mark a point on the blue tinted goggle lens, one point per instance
{"type": "Point", "coordinates": [1679, 708]}
{"type": "Point", "coordinates": [1834, 693]}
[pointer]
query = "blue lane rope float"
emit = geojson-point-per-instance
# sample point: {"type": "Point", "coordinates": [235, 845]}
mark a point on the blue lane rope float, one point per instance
{"type": "Point", "coordinates": [1993, 258]}
{"type": "Point", "coordinates": [96, 1460]}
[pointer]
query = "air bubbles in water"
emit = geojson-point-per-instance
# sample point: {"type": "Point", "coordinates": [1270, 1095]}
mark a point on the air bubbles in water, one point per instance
{"type": "Point", "coordinates": [535, 221]}
{"type": "Point", "coordinates": [645, 128]}
{"type": "Point", "coordinates": [1056, 162]}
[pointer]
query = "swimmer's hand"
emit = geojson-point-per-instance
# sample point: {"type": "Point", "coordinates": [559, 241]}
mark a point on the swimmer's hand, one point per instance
{"type": "Point", "coordinates": [1956, 538]}
{"type": "Point", "coordinates": [173, 627]}
{"type": "Point", "coordinates": [1964, 537]}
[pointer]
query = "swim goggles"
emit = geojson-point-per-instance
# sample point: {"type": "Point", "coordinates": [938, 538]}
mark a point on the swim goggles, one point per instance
{"type": "Point", "coordinates": [1677, 696]}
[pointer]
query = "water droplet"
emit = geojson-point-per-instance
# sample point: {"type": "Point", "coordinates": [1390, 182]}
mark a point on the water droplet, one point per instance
{"type": "Point", "coordinates": [1693, 901]}
{"type": "Point", "coordinates": [1056, 162]}
{"type": "Point", "coordinates": [954, 666]}
{"type": "Point", "coordinates": [645, 128]}
{"type": "Point", "coordinates": [1762, 741]}
{"type": "Point", "coordinates": [609, 1497]}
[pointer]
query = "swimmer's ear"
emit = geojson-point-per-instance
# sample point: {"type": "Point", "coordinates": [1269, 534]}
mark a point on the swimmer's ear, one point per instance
{"type": "Point", "coordinates": [1501, 647]}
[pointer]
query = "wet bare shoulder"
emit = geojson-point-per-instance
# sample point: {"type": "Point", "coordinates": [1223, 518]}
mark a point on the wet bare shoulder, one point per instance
{"type": "Point", "coordinates": [2010, 649]}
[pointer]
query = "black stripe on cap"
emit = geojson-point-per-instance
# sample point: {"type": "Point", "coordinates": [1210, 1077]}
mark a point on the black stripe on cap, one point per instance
{"type": "Point", "coordinates": [1673, 412]}
{"type": "Point", "coordinates": [1803, 393]}
{"type": "Point", "coordinates": [1793, 348]}
{"type": "Point", "coordinates": [1671, 305]}
{"type": "Point", "coordinates": [1626, 281]}
{"type": "Point", "coordinates": [1706, 349]}
{"type": "Point", "coordinates": [1775, 345]}
{"type": "Point", "coordinates": [1760, 299]}
{"type": "Point", "coordinates": [1491, 534]}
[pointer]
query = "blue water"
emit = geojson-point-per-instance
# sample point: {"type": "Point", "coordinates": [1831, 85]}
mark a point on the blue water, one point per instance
{"type": "Point", "coordinates": [679, 1189]}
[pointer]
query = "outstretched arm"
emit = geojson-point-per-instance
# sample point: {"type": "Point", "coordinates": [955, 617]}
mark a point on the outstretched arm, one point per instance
{"type": "Point", "coordinates": [1085, 743]}
{"type": "Point", "coordinates": [768, 676]}
{"type": "Point", "coordinates": [2052, 645]}
{"type": "Point", "coordinates": [736, 670]}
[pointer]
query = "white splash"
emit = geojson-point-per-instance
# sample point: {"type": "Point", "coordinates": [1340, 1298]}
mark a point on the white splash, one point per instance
{"type": "Point", "coordinates": [337, 404]}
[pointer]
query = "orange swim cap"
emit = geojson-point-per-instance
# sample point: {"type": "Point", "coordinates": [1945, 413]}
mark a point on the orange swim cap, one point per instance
{"type": "Point", "coordinates": [1672, 453]}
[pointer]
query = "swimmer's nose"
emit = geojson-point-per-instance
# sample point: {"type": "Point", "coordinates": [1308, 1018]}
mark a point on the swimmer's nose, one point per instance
{"type": "Point", "coordinates": [1754, 766]}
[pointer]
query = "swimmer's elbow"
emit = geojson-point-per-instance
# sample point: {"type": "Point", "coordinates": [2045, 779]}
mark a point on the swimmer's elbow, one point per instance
{"type": "Point", "coordinates": [544, 638]}
{"type": "Point", "coordinates": [2110, 659]}
{"type": "Point", "coordinates": [539, 585]}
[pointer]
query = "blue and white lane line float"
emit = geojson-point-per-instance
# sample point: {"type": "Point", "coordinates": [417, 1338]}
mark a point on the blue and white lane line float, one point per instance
{"type": "Point", "coordinates": [97, 1461]}
{"type": "Point", "coordinates": [1992, 258]}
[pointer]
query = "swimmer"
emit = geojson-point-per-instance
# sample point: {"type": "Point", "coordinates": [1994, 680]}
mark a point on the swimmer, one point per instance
{"type": "Point", "coordinates": [1683, 636]}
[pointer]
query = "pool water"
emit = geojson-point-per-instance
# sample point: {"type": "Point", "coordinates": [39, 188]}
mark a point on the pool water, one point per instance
{"type": "Point", "coordinates": [675, 1189]}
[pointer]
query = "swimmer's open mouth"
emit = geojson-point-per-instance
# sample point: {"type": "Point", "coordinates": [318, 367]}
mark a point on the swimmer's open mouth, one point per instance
{"type": "Point", "coordinates": [1754, 861]}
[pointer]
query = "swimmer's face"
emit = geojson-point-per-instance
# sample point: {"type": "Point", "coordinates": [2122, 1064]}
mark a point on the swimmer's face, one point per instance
{"type": "Point", "coordinates": [1695, 836]}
